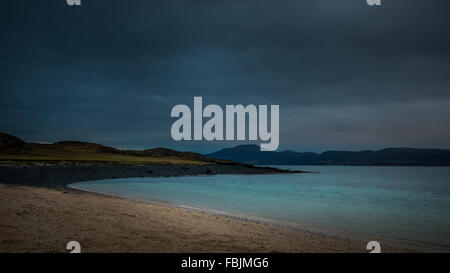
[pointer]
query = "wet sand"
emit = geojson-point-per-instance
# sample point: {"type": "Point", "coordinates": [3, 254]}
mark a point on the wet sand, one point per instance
{"type": "Point", "coordinates": [44, 220]}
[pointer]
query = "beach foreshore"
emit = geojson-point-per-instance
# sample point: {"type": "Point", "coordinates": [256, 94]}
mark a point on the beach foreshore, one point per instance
{"type": "Point", "coordinates": [45, 220]}
{"type": "Point", "coordinates": [40, 214]}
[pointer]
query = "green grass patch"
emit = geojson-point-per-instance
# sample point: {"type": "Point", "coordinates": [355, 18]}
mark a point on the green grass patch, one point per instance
{"type": "Point", "coordinates": [98, 157]}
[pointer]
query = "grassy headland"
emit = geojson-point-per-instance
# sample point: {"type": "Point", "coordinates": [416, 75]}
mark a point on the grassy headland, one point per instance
{"type": "Point", "coordinates": [58, 164]}
{"type": "Point", "coordinates": [13, 149]}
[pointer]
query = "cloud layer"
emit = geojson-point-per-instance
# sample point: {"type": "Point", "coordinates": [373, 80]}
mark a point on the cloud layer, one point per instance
{"type": "Point", "coordinates": [346, 75]}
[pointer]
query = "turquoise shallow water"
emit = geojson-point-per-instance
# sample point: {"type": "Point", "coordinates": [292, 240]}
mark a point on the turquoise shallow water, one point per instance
{"type": "Point", "coordinates": [406, 204]}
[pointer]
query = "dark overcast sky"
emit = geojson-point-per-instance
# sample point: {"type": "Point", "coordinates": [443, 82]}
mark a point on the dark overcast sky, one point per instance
{"type": "Point", "coordinates": [346, 75]}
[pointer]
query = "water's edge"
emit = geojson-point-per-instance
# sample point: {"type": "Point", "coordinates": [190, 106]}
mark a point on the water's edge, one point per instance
{"type": "Point", "coordinates": [363, 238]}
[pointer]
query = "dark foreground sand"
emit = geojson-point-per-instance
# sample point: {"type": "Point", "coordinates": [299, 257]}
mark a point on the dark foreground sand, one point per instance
{"type": "Point", "coordinates": [38, 213]}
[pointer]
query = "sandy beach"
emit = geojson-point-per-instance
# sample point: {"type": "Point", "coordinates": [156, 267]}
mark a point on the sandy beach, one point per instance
{"type": "Point", "coordinates": [44, 220]}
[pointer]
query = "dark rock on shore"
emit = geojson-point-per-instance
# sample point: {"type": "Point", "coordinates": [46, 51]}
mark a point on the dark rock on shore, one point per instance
{"type": "Point", "coordinates": [58, 176]}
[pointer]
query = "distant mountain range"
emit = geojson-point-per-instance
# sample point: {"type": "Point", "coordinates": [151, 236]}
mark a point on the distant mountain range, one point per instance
{"type": "Point", "coordinates": [15, 149]}
{"type": "Point", "coordinates": [389, 157]}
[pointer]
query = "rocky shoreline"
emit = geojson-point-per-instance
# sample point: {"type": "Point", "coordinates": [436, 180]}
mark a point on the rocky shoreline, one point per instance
{"type": "Point", "coordinates": [58, 176]}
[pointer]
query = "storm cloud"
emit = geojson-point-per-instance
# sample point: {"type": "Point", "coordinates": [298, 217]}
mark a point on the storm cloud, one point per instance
{"type": "Point", "coordinates": [346, 75]}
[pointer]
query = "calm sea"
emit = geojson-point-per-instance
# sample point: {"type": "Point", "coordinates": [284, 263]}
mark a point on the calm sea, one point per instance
{"type": "Point", "coordinates": [400, 205]}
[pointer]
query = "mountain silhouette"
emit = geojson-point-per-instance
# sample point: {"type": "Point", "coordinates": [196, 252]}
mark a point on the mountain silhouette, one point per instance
{"type": "Point", "coordinates": [390, 156]}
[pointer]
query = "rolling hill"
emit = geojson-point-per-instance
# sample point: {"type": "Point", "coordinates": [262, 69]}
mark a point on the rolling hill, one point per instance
{"type": "Point", "coordinates": [14, 149]}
